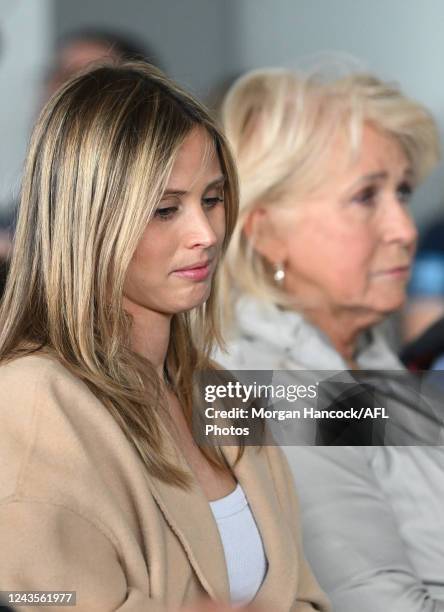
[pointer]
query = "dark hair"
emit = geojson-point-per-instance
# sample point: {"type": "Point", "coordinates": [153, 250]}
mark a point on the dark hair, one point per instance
{"type": "Point", "coordinates": [4, 265]}
{"type": "Point", "coordinates": [126, 46]}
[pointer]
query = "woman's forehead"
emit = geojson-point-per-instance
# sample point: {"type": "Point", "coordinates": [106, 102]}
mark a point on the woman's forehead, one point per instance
{"type": "Point", "coordinates": [197, 161]}
{"type": "Point", "coordinates": [374, 153]}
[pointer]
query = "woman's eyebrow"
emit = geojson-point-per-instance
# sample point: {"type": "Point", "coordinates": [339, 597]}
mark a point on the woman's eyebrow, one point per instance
{"type": "Point", "coordinates": [176, 192]}
{"type": "Point", "coordinates": [373, 176]}
{"type": "Point", "coordinates": [379, 176]}
{"type": "Point", "coordinates": [216, 183]}
{"type": "Point", "coordinates": [220, 180]}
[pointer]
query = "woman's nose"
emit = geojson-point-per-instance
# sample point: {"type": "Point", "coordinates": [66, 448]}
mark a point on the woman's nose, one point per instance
{"type": "Point", "coordinates": [400, 226]}
{"type": "Point", "coordinates": [200, 231]}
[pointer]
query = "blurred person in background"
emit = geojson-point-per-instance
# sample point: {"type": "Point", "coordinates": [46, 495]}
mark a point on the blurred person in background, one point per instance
{"type": "Point", "coordinates": [427, 351]}
{"type": "Point", "coordinates": [321, 254]}
{"type": "Point", "coordinates": [81, 48]}
{"type": "Point", "coordinates": [426, 288]}
{"type": "Point", "coordinates": [5, 237]}
{"type": "Point", "coordinates": [3, 274]}
{"type": "Point", "coordinates": [74, 52]}
{"type": "Point", "coordinates": [423, 319]}
{"type": "Point", "coordinates": [128, 201]}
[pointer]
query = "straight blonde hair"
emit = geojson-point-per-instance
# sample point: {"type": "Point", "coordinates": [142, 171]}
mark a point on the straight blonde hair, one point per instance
{"type": "Point", "coordinates": [99, 160]}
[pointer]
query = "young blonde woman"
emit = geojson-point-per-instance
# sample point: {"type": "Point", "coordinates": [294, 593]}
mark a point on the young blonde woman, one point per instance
{"type": "Point", "coordinates": [129, 200]}
{"type": "Point", "coordinates": [322, 254]}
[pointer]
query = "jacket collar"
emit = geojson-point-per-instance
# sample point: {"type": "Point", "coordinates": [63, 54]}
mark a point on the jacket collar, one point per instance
{"type": "Point", "coordinates": [190, 517]}
{"type": "Point", "coordinates": [301, 344]}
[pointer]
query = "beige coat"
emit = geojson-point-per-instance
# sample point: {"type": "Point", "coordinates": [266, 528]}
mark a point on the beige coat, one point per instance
{"type": "Point", "coordinates": [78, 511]}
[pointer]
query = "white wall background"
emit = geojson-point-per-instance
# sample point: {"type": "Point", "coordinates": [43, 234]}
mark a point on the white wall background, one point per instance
{"type": "Point", "coordinates": [196, 40]}
{"type": "Point", "coordinates": [26, 31]}
{"type": "Point", "coordinates": [204, 43]}
{"type": "Point", "coordinates": [401, 40]}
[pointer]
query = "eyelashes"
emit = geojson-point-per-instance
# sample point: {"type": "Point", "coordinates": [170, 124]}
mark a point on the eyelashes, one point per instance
{"type": "Point", "coordinates": [165, 213]}
{"type": "Point", "coordinates": [212, 201]}
{"type": "Point", "coordinates": [405, 191]}
{"type": "Point", "coordinates": [369, 195]}
{"type": "Point", "coordinates": [365, 196]}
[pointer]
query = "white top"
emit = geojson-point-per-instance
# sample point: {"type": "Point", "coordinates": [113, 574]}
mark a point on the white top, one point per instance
{"type": "Point", "coordinates": [242, 543]}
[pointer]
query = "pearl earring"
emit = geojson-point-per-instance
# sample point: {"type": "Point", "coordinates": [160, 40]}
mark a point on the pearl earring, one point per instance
{"type": "Point", "coordinates": [279, 273]}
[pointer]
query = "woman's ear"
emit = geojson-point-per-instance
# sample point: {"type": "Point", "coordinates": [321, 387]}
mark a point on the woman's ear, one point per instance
{"type": "Point", "coordinates": [260, 229]}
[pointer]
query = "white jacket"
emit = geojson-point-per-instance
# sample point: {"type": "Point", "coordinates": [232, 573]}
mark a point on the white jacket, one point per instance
{"type": "Point", "coordinates": [378, 510]}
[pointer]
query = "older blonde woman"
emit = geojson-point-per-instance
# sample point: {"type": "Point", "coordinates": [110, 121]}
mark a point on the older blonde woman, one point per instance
{"type": "Point", "coordinates": [321, 254]}
{"type": "Point", "coordinates": [129, 199]}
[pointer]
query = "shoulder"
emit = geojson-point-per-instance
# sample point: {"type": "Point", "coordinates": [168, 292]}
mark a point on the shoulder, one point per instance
{"type": "Point", "coordinates": [246, 353]}
{"type": "Point", "coordinates": [38, 387]}
{"type": "Point", "coordinates": [258, 336]}
{"type": "Point", "coordinates": [265, 336]}
{"type": "Point", "coordinates": [24, 378]}
{"type": "Point", "coordinates": [55, 431]}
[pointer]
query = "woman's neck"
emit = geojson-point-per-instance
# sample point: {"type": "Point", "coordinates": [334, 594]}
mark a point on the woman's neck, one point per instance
{"type": "Point", "coordinates": [150, 334]}
{"type": "Point", "coordinates": [342, 329]}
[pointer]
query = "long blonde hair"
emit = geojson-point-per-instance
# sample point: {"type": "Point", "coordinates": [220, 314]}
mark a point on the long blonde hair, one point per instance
{"type": "Point", "coordinates": [98, 163]}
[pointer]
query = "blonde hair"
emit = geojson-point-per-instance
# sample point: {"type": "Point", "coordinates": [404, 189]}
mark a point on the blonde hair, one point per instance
{"type": "Point", "coordinates": [282, 127]}
{"type": "Point", "coordinates": [99, 160]}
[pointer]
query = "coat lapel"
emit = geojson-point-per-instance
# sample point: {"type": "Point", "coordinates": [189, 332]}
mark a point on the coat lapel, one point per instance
{"type": "Point", "coordinates": [189, 516]}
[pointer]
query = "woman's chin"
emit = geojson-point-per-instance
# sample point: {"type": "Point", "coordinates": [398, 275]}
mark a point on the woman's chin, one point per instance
{"type": "Point", "coordinates": [194, 299]}
{"type": "Point", "coordinates": [388, 307]}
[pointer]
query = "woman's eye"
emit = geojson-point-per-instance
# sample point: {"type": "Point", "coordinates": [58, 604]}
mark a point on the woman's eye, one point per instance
{"type": "Point", "coordinates": [166, 212]}
{"type": "Point", "coordinates": [404, 192]}
{"type": "Point", "coordinates": [366, 196]}
{"type": "Point", "coordinates": [212, 201]}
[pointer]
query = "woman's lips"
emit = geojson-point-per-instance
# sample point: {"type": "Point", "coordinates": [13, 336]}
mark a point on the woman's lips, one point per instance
{"type": "Point", "coordinates": [196, 273]}
{"type": "Point", "coordinates": [398, 272]}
